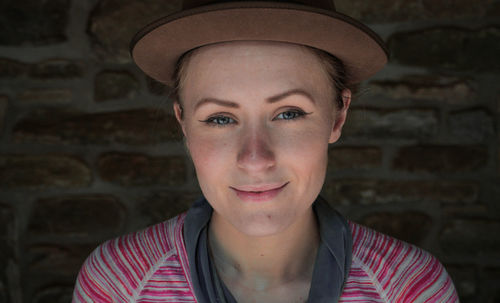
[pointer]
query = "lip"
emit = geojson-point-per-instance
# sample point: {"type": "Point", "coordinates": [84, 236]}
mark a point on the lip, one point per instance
{"type": "Point", "coordinates": [259, 193]}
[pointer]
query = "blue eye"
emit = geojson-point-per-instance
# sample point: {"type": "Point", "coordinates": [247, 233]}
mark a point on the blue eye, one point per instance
{"type": "Point", "coordinates": [219, 121]}
{"type": "Point", "coordinates": [290, 115]}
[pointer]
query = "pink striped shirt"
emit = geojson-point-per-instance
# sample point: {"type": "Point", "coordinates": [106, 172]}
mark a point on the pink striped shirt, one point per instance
{"type": "Point", "coordinates": [151, 266]}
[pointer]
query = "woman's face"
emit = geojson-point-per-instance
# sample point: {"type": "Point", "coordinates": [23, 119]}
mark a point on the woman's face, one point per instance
{"type": "Point", "coordinates": [258, 117]}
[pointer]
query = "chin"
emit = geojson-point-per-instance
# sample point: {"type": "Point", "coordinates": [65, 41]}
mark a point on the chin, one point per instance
{"type": "Point", "coordinates": [262, 225]}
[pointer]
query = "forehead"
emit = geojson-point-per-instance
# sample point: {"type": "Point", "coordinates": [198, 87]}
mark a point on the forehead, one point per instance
{"type": "Point", "coordinates": [253, 67]}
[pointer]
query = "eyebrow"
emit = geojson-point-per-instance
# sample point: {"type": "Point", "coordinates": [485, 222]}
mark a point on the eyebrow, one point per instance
{"type": "Point", "coordinates": [296, 91]}
{"type": "Point", "coordinates": [273, 99]}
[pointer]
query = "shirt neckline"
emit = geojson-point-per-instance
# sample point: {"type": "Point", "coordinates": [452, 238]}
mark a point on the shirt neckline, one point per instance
{"type": "Point", "coordinates": [331, 268]}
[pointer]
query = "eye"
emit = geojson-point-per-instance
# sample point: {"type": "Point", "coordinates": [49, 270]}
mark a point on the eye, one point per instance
{"type": "Point", "coordinates": [290, 115]}
{"type": "Point", "coordinates": [219, 121]}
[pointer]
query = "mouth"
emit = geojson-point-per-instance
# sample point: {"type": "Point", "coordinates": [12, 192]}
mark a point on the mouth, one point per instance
{"type": "Point", "coordinates": [259, 193]}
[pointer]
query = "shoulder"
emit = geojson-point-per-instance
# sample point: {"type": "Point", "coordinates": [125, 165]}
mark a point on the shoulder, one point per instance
{"type": "Point", "coordinates": [400, 272]}
{"type": "Point", "coordinates": [116, 269]}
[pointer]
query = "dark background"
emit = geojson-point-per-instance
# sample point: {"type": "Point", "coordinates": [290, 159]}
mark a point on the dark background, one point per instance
{"type": "Point", "coordinates": [89, 149]}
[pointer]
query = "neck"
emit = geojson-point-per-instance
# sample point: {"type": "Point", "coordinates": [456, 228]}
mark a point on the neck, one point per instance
{"type": "Point", "coordinates": [262, 263]}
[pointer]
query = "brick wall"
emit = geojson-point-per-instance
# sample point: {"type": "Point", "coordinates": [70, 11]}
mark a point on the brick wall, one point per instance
{"type": "Point", "coordinates": [89, 148]}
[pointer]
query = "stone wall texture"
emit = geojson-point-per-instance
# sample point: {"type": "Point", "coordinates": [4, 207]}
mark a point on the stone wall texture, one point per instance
{"type": "Point", "coordinates": [89, 148]}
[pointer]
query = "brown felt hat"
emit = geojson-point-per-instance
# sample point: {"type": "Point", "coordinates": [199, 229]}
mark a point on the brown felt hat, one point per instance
{"type": "Point", "coordinates": [157, 47]}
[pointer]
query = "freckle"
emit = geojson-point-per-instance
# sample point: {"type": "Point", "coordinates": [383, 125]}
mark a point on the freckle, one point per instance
{"type": "Point", "coordinates": [262, 255]}
{"type": "Point", "coordinates": [269, 217]}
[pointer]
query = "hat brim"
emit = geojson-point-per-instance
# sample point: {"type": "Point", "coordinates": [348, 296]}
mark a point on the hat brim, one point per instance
{"type": "Point", "coordinates": [158, 46]}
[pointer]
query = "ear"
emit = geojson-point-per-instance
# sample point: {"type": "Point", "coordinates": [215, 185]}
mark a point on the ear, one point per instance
{"type": "Point", "coordinates": [178, 111]}
{"type": "Point", "coordinates": [340, 118]}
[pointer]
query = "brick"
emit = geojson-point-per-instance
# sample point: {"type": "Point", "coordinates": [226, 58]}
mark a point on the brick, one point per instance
{"type": "Point", "coordinates": [12, 69]}
{"type": "Point", "coordinates": [155, 87]}
{"type": "Point", "coordinates": [33, 22]}
{"type": "Point", "coordinates": [131, 169]}
{"type": "Point", "coordinates": [128, 16]}
{"type": "Point", "coordinates": [494, 10]}
{"type": "Point", "coordinates": [160, 206]}
{"type": "Point", "coordinates": [448, 48]}
{"type": "Point", "coordinates": [3, 292]}
{"type": "Point", "coordinates": [465, 211]}
{"type": "Point", "coordinates": [76, 216]}
{"type": "Point", "coordinates": [45, 96]}
{"type": "Point", "coordinates": [56, 68]}
{"type": "Point", "coordinates": [354, 157]}
{"type": "Point", "coordinates": [380, 12]}
{"type": "Point", "coordinates": [133, 127]}
{"type": "Point", "coordinates": [498, 103]}
{"type": "Point", "coordinates": [42, 171]}
{"type": "Point", "coordinates": [464, 278]}
{"type": "Point", "coordinates": [395, 124]}
{"type": "Point", "coordinates": [7, 230]}
{"type": "Point", "coordinates": [458, 8]}
{"type": "Point", "coordinates": [489, 281]}
{"type": "Point", "coordinates": [7, 226]}
{"type": "Point", "coordinates": [110, 85]}
{"type": "Point", "coordinates": [471, 237]}
{"type": "Point", "coordinates": [4, 101]}
{"type": "Point", "coordinates": [48, 69]}
{"type": "Point", "coordinates": [449, 90]}
{"type": "Point", "coordinates": [471, 125]}
{"type": "Point", "coordinates": [409, 226]}
{"type": "Point", "coordinates": [386, 11]}
{"type": "Point", "coordinates": [59, 294]}
{"type": "Point", "coordinates": [57, 259]}
{"type": "Point", "coordinates": [366, 192]}
{"type": "Point", "coordinates": [441, 159]}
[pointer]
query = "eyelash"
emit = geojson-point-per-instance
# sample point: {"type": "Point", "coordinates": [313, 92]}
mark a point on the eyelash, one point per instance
{"type": "Point", "coordinates": [211, 121]}
{"type": "Point", "coordinates": [299, 114]}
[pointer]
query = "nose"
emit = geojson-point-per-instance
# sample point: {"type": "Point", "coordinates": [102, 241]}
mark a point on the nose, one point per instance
{"type": "Point", "coordinates": [256, 151]}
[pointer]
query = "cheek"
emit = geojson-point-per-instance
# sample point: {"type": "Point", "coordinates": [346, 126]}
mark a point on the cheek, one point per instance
{"type": "Point", "coordinates": [210, 155]}
{"type": "Point", "coordinates": [306, 152]}
{"type": "Point", "coordinates": [305, 144]}
{"type": "Point", "coordinates": [309, 159]}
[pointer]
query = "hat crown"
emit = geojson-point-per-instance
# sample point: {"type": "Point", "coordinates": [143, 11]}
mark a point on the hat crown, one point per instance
{"type": "Point", "coordinates": [322, 4]}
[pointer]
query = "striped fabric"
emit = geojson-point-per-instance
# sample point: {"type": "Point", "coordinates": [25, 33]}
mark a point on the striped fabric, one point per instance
{"type": "Point", "coordinates": [151, 266]}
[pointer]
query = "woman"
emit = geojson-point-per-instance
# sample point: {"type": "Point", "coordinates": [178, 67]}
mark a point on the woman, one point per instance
{"type": "Point", "coordinates": [261, 89]}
